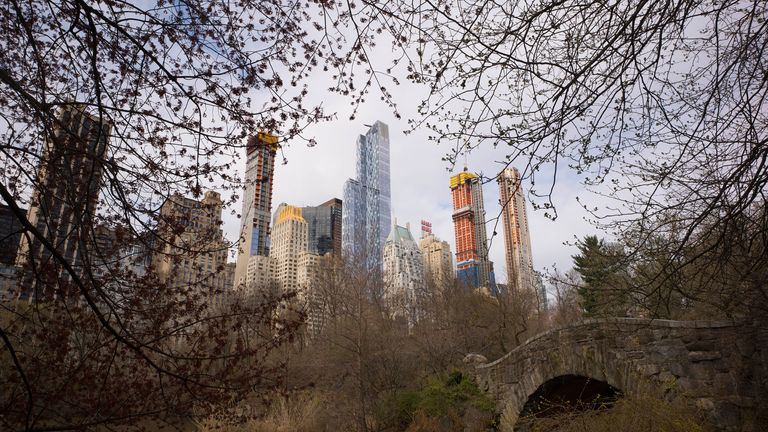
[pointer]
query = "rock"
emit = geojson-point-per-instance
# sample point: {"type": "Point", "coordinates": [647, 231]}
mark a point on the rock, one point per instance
{"type": "Point", "coordinates": [474, 358]}
{"type": "Point", "coordinates": [698, 356]}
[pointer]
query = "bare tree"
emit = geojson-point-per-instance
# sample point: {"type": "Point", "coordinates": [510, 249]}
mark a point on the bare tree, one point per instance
{"type": "Point", "coordinates": [660, 106]}
{"type": "Point", "coordinates": [107, 108]}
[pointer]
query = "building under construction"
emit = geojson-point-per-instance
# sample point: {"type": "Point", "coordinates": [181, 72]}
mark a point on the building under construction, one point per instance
{"type": "Point", "coordinates": [472, 265]}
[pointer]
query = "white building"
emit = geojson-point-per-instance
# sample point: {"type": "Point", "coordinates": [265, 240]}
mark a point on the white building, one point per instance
{"type": "Point", "coordinates": [260, 274]}
{"type": "Point", "coordinates": [289, 244]}
{"type": "Point", "coordinates": [404, 291]}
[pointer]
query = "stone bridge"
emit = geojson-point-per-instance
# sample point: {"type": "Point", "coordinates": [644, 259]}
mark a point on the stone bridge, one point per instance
{"type": "Point", "coordinates": [717, 366]}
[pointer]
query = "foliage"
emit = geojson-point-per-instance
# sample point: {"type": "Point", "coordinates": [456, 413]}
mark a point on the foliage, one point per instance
{"type": "Point", "coordinates": [442, 396]}
{"type": "Point", "coordinates": [602, 268]}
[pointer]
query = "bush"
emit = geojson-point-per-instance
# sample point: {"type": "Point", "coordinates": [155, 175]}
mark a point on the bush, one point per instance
{"type": "Point", "coordinates": [445, 400]}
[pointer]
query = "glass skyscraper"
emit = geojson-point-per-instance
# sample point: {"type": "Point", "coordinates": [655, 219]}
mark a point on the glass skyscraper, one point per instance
{"type": "Point", "coordinates": [324, 227]}
{"type": "Point", "coordinates": [367, 203]}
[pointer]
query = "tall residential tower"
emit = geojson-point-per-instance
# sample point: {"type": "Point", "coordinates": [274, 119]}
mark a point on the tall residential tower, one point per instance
{"type": "Point", "coordinates": [257, 201]}
{"type": "Point", "coordinates": [517, 241]}
{"type": "Point", "coordinates": [472, 265]}
{"type": "Point", "coordinates": [290, 245]}
{"type": "Point", "coordinates": [193, 253]}
{"type": "Point", "coordinates": [64, 200]}
{"type": "Point", "coordinates": [367, 207]}
{"type": "Point", "coordinates": [438, 263]}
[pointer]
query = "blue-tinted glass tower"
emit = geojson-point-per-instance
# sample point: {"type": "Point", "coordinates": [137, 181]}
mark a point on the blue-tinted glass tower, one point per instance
{"type": "Point", "coordinates": [367, 212]}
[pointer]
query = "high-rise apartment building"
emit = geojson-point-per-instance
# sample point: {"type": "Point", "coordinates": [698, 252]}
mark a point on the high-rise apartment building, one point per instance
{"type": "Point", "coordinates": [10, 235]}
{"type": "Point", "coordinates": [404, 288]}
{"type": "Point", "coordinates": [367, 206]}
{"type": "Point", "coordinates": [438, 263]}
{"type": "Point", "coordinates": [309, 278]}
{"type": "Point", "coordinates": [324, 227]}
{"type": "Point", "coordinates": [191, 251]}
{"type": "Point", "coordinates": [257, 201]}
{"type": "Point", "coordinates": [289, 244]}
{"type": "Point", "coordinates": [64, 199]}
{"type": "Point", "coordinates": [261, 274]}
{"type": "Point", "coordinates": [472, 265]}
{"type": "Point", "coordinates": [517, 240]}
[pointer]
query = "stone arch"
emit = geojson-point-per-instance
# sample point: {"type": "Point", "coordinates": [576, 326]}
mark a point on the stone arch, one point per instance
{"type": "Point", "coordinates": [568, 392]}
{"type": "Point", "coordinates": [705, 362]}
{"type": "Point", "coordinates": [538, 362]}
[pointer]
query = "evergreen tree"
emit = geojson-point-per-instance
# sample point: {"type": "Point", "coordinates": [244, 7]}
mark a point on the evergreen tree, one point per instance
{"type": "Point", "coordinates": [602, 277]}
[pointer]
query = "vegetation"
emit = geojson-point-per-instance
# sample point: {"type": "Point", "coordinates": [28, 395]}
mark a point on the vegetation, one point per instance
{"type": "Point", "coordinates": [445, 398]}
{"type": "Point", "coordinates": [659, 106]}
{"type": "Point", "coordinates": [631, 414]}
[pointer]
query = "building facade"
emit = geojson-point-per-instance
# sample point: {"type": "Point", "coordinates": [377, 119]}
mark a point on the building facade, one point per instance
{"type": "Point", "coordinates": [367, 201]}
{"type": "Point", "coordinates": [438, 262]}
{"type": "Point", "coordinates": [261, 274]}
{"type": "Point", "coordinates": [517, 240]}
{"type": "Point", "coordinates": [10, 236]}
{"type": "Point", "coordinates": [191, 252]}
{"type": "Point", "coordinates": [473, 267]}
{"type": "Point", "coordinates": [404, 289]}
{"type": "Point", "coordinates": [309, 278]}
{"type": "Point", "coordinates": [64, 202]}
{"type": "Point", "coordinates": [324, 227]}
{"type": "Point", "coordinates": [289, 244]}
{"type": "Point", "coordinates": [295, 268]}
{"type": "Point", "coordinates": [257, 201]}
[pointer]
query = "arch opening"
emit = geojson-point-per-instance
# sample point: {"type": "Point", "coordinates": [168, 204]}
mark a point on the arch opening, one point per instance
{"type": "Point", "coordinates": [567, 393]}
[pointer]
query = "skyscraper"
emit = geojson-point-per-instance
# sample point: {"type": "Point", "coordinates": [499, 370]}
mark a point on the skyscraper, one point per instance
{"type": "Point", "coordinates": [64, 199]}
{"type": "Point", "coordinates": [404, 291]}
{"type": "Point", "coordinates": [438, 263]}
{"type": "Point", "coordinates": [517, 240]}
{"type": "Point", "coordinates": [367, 207]}
{"type": "Point", "coordinates": [10, 235]}
{"type": "Point", "coordinates": [290, 244]}
{"type": "Point", "coordinates": [193, 252]}
{"type": "Point", "coordinates": [257, 201]}
{"type": "Point", "coordinates": [324, 227]}
{"type": "Point", "coordinates": [472, 265]}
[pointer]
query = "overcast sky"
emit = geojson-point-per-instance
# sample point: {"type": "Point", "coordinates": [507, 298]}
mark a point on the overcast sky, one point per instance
{"type": "Point", "coordinates": [420, 180]}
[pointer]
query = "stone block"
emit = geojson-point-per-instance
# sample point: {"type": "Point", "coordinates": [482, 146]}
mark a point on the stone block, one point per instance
{"type": "Point", "coordinates": [724, 384]}
{"type": "Point", "coordinates": [678, 369]}
{"type": "Point", "coordinates": [705, 404]}
{"type": "Point", "coordinates": [700, 345]}
{"type": "Point", "coordinates": [726, 415]}
{"type": "Point", "coordinates": [700, 371]}
{"type": "Point", "coordinates": [745, 347]}
{"type": "Point", "coordinates": [648, 369]}
{"type": "Point", "coordinates": [699, 356]}
{"type": "Point", "coordinates": [694, 387]}
{"type": "Point", "coordinates": [666, 377]}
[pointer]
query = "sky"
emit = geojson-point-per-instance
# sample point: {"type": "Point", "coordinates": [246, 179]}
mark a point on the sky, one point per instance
{"type": "Point", "coordinates": [420, 180]}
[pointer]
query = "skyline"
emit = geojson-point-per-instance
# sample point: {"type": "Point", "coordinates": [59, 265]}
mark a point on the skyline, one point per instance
{"type": "Point", "coordinates": [416, 197]}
